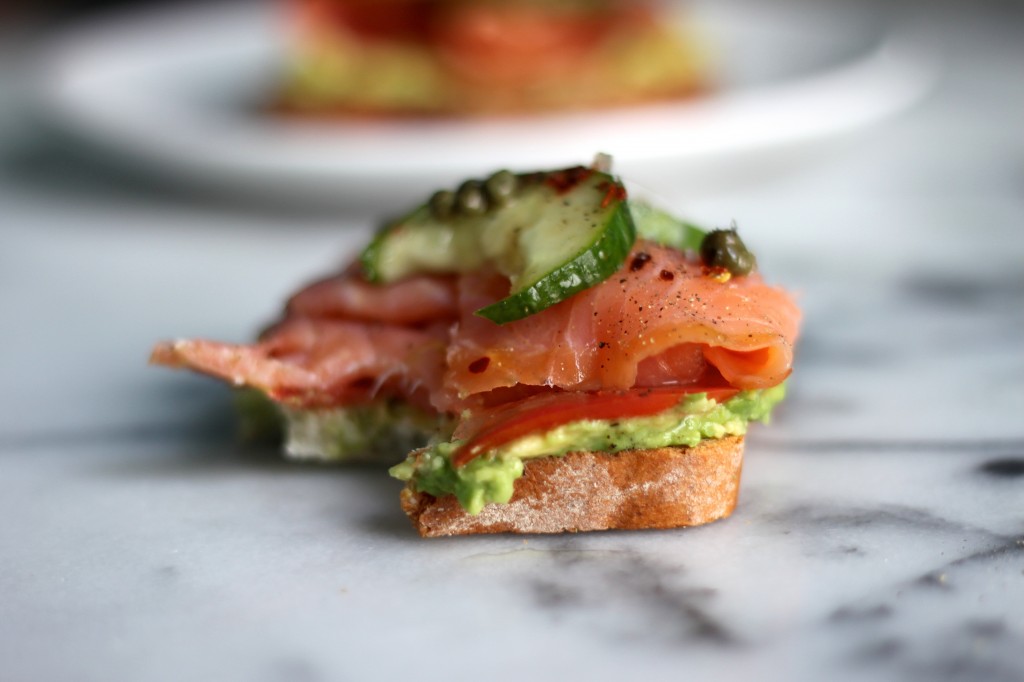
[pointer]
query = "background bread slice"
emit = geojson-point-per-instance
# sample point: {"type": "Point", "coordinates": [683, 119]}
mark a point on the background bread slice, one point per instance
{"type": "Point", "coordinates": [662, 488]}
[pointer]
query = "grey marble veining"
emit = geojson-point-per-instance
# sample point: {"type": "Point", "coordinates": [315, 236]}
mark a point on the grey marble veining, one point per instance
{"type": "Point", "coordinates": [837, 565]}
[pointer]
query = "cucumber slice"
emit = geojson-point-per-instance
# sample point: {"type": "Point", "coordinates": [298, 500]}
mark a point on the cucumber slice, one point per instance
{"type": "Point", "coordinates": [661, 227]}
{"type": "Point", "coordinates": [417, 244]}
{"type": "Point", "coordinates": [560, 233]}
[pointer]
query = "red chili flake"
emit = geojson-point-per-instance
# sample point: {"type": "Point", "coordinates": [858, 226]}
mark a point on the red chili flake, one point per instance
{"type": "Point", "coordinates": [614, 192]}
{"type": "Point", "coordinates": [667, 275]}
{"type": "Point", "coordinates": [639, 260]}
{"type": "Point", "coordinates": [479, 365]}
{"type": "Point", "coordinates": [564, 180]}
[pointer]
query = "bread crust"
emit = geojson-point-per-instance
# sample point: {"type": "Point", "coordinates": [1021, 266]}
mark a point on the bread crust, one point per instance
{"type": "Point", "coordinates": [661, 488]}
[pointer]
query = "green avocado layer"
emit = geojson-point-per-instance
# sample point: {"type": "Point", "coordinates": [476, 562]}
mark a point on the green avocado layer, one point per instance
{"type": "Point", "coordinates": [382, 431]}
{"type": "Point", "coordinates": [324, 74]}
{"type": "Point", "coordinates": [492, 478]}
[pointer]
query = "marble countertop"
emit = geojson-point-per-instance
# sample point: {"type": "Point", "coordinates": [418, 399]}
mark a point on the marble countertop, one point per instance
{"type": "Point", "coordinates": [880, 531]}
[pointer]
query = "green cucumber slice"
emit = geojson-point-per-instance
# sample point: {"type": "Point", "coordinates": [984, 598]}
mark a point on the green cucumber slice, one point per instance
{"type": "Point", "coordinates": [419, 244]}
{"type": "Point", "coordinates": [560, 233]}
{"type": "Point", "coordinates": [560, 262]}
{"type": "Point", "coordinates": [661, 227]}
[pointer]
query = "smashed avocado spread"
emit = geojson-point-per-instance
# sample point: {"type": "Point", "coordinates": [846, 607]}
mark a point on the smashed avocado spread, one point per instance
{"type": "Point", "coordinates": [492, 478]}
{"type": "Point", "coordinates": [374, 431]}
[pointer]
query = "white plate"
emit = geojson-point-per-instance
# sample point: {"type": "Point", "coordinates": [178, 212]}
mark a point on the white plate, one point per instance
{"type": "Point", "coordinates": [173, 91]}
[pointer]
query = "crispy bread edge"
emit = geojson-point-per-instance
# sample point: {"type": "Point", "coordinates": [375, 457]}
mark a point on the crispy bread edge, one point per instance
{"type": "Point", "coordinates": [661, 488]}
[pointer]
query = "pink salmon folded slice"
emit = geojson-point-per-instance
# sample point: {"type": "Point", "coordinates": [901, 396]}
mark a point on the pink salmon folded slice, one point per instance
{"type": "Point", "coordinates": [662, 320]}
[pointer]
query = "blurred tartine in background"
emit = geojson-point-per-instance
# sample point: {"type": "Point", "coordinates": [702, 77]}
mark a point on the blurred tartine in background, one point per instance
{"type": "Point", "coordinates": [480, 57]}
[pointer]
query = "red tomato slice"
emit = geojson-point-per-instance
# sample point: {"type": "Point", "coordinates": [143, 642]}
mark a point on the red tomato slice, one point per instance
{"type": "Point", "coordinates": [406, 21]}
{"type": "Point", "coordinates": [545, 412]}
{"type": "Point", "coordinates": [369, 20]}
{"type": "Point", "coordinates": [511, 44]}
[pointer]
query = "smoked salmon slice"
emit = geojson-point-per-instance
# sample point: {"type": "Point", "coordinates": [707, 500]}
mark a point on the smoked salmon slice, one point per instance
{"type": "Point", "coordinates": [309, 362]}
{"type": "Point", "coordinates": [661, 320]}
{"type": "Point", "coordinates": [348, 296]}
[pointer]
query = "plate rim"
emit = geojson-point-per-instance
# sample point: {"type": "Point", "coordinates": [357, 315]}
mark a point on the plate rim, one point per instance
{"type": "Point", "coordinates": [898, 71]}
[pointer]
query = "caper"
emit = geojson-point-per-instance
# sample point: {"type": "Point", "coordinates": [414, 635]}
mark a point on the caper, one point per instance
{"type": "Point", "coordinates": [442, 204]}
{"type": "Point", "coordinates": [501, 187]}
{"type": "Point", "coordinates": [725, 249]}
{"type": "Point", "coordinates": [470, 199]}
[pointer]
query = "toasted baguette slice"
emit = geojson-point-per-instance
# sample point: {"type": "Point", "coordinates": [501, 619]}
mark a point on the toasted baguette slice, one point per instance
{"type": "Point", "coordinates": [662, 488]}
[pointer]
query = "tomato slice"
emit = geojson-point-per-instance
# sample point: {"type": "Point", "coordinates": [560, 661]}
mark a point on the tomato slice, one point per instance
{"type": "Point", "coordinates": [396, 21]}
{"type": "Point", "coordinates": [550, 410]}
{"type": "Point", "coordinates": [516, 44]}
